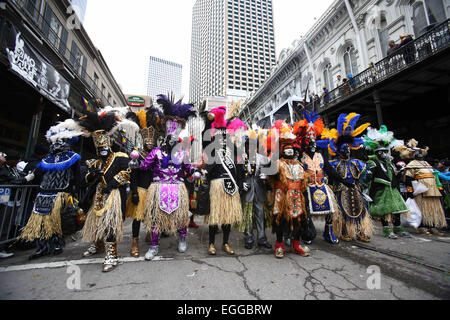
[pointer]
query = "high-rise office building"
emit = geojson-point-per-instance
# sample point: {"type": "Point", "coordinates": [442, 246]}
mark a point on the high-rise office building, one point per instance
{"type": "Point", "coordinates": [164, 77]}
{"type": "Point", "coordinates": [80, 8]}
{"type": "Point", "coordinates": [233, 47]}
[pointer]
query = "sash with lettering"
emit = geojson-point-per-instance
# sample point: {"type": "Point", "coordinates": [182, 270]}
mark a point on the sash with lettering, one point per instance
{"type": "Point", "coordinates": [229, 184]}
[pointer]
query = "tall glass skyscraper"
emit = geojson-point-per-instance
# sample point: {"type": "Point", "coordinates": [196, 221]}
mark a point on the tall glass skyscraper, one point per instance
{"type": "Point", "coordinates": [164, 77]}
{"type": "Point", "coordinates": [233, 47]}
{"type": "Point", "coordinates": [80, 8]}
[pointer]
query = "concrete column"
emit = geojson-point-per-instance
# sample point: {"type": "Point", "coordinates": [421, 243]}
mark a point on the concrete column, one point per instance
{"type": "Point", "coordinates": [377, 101]}
{"type": "Point", "coordinates": [310, 65]}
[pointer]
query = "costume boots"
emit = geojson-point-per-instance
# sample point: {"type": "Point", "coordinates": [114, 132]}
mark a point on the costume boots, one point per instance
{"type": "Point", "coordinates": [135, 248]}
{"type": "Point", "coordinates": [298, 249]}
{"type": "Point", "coordinates": [111, 258]}
{"type": "Point", "coordinates": [329, 235]}
{"type": "Point", "coordinates": [280, 250]}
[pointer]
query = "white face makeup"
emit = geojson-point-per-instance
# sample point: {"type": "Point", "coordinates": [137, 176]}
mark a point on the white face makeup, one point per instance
{"type": "Point", "coordinates": [289, 152]}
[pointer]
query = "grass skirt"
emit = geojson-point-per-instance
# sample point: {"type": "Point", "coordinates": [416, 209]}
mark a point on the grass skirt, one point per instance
{"type": "Point", "coordinates": [109, 223]}
{"type": "Point", "coordinates": [43, 227]}
{"type": "Point", "coordinates": [432, 212]}
{"type": "Point", "coordinates": [137, 211]}
{"type": "Point", "coordinates": [160, 220]}
{"type": "Point", "coordinates": [225, 209]}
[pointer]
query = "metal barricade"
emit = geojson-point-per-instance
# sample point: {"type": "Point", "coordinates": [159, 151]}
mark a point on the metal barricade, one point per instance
{"type": "Point", "coordinates": [16, 204]}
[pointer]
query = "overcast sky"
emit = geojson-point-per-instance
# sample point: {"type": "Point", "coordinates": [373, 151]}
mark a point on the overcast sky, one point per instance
{"type": "Point", "coordinates": [128, 32]}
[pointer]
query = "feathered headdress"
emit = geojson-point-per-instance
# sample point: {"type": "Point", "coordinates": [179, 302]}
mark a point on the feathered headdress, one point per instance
{"type": "Point", "coordinates": [67, 130]}
{"type": "Point", "coordinates": [345, 134]}
{"type": "Point", "coordinates": [309, 128]}
{"type": "Point", "coordinates": [99, 126]}
{"type": "Point", "coordinates": [381, 139]}
{"type": "Point", "coordinates": [176, 111]}
{"type": "Point", "coordinates": [149, 121]}
{"type": "Point", "coordinates": [283, 133]}
{"type": "Point", "coordinates": [407, 152]}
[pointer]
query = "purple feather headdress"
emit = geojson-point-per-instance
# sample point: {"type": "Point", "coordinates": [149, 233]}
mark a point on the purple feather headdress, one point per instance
{"type": "Point", "coordinates": [177, 111]}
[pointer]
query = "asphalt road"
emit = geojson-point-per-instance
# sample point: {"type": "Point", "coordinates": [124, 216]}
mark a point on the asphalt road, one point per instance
{"type": "Point", "coordinates": [415, 268]}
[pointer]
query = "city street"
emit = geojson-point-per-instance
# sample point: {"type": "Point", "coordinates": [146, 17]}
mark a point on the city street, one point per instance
{"type": "Point", "coordinates": [415, 268]}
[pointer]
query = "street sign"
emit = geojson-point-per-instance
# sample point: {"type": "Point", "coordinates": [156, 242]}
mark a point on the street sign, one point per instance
{"type": "Point", "coordinates": [4, 195]}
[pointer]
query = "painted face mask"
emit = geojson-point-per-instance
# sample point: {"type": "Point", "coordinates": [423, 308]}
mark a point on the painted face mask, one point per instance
{"type": "Point", "coordinates": [58, 146]}
{"type": "Point", "coordinates": [289, 152]}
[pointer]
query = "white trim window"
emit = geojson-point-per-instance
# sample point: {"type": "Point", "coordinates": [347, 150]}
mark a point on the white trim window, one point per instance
{"type": "Point", "coordinates": [434, 14]}
{"type": "Point", "coordinates": [350, 62]}
{"type": "Point", "coordinates": [327, 77]}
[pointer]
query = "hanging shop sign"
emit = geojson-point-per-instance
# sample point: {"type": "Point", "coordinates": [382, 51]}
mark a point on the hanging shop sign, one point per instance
{"type": "Point", "coordinates": [33, 68]}
{"type": "Point", "coordinates": [136, 101]}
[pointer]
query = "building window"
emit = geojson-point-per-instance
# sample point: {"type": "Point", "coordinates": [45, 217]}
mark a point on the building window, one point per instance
{"type": "Point", "coordinates": [427, 13]}
{"type": "Point", "coordinates": [327, 78]}
{"type": "Point", "coordinates": [78, 60]}
{"type": "Point", "coordinates": [350, 63]}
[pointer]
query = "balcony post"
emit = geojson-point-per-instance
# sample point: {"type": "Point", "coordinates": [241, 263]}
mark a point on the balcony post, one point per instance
{"type": "Point", "coordinates": [377, 101]}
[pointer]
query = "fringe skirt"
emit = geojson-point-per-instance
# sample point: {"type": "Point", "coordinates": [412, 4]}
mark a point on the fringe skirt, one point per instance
{"type": "Point", "coordinates": [248, 217]}
{"type": "Point", "coordinates": [137, 211]}
{"type": "Point", "coordinates": [432, 212]}
{"type": "Point", "coordinates": [109, 223]}
{"type": "Point", "coordinates": [345, 226]}
{"type": "Point", "coordinates": [43, 227]}
{"type": "Point", "coordinates": [160, 220]}
{"type": "Point", "coordinates": [225, 209]}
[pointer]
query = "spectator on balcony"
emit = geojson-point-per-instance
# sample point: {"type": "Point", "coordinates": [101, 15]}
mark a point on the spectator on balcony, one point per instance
{"type": "Point", "coordinates": [339, 81]}
{"type": "Point", "coordinates": [392, 47]}
{"type": "Point", "coordinates": [325, 96]}
{"type": "Point", "coordinates": [407, 48]}
{"type": "Point", "coordinates": [351, 82]}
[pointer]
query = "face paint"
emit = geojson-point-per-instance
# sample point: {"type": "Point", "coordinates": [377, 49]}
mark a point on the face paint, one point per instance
{"type": "Point", "coordinates": [289, 152]}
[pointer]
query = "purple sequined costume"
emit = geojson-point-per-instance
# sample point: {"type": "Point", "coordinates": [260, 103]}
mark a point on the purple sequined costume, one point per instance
{"type": "Point", "coordinates": [167, 203]}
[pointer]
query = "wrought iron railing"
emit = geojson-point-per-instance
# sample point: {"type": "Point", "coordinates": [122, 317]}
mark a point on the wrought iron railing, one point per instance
{"type": "Point", "coordinates": [415, 51]}
{"type": "Point", "coordinates": [60, 47]}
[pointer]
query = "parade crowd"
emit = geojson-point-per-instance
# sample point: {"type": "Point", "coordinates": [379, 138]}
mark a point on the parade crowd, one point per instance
{"type": "Point", "coordinates": [285, 178]}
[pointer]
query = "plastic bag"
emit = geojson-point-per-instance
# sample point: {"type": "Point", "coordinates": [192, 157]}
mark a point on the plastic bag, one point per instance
{"type": "Point", "coordinates": [415, 215]}
{"type": "Point", "coordinates": [307, 229]}
{"type": "Point", "coordinates": [419, 187]}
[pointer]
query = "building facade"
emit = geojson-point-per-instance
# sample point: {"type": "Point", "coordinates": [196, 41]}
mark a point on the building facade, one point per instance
{"type": "Point", "coordinates": [164, 77]}
{"type": "Point", "coordinates": [52, 70]}
{"type": "Point", "coordinates": [233, 47]}
{"type": "Point", "coordinates": [349, 36]}
{"type": "Point", "coordinates": [350, 40]}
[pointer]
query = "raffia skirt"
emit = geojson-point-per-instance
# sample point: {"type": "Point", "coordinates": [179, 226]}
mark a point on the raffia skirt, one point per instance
{"type": "Point", "coordinates": [43, 227]}
{"type": "Point", "coordinates": [161, 221]}
{"type": "Point", "coordinates": [432, 213]}
{"type": "Point", "coordinates": [224, 209]}
{"type": "Point", "coordinates": [109, 223]}
{"type": "Point", "coordinates": [137, 211]}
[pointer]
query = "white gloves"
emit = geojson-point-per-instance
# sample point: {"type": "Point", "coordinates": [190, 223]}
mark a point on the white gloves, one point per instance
{"type": "Point", "coordinates": [246, 186]}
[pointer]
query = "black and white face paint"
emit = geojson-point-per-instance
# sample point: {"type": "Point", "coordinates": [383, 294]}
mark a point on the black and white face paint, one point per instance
{"type": "Point", "coordinates": [103, 151]}
{"type": "Point", "coordinates": [289, 152]}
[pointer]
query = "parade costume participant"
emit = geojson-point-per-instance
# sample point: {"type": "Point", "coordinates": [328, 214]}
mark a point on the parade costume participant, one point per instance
{"type": "Point", "coordinates": [289, 189]}
{"type": "Point", "coordinates": [109, 174]}
{"type": "Point", "coordinates": [166, 206]}
{"type": "Point", "coordinates": [149, 121]}
{"type": "Point", "coordinates": [321, 200]}
{"type": "Point", "coordinates": [387, 203]}
{"type": "Point", "coordinates": [225, 204]}
{"type": "Point", "coordinates": [61, 178]}
{"type": "Point", "coordinates": [429, 202]}
{"type": "Point", "coordinates": [353, 220]}
{"type": "Point", "coordinates": [254, 190]}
